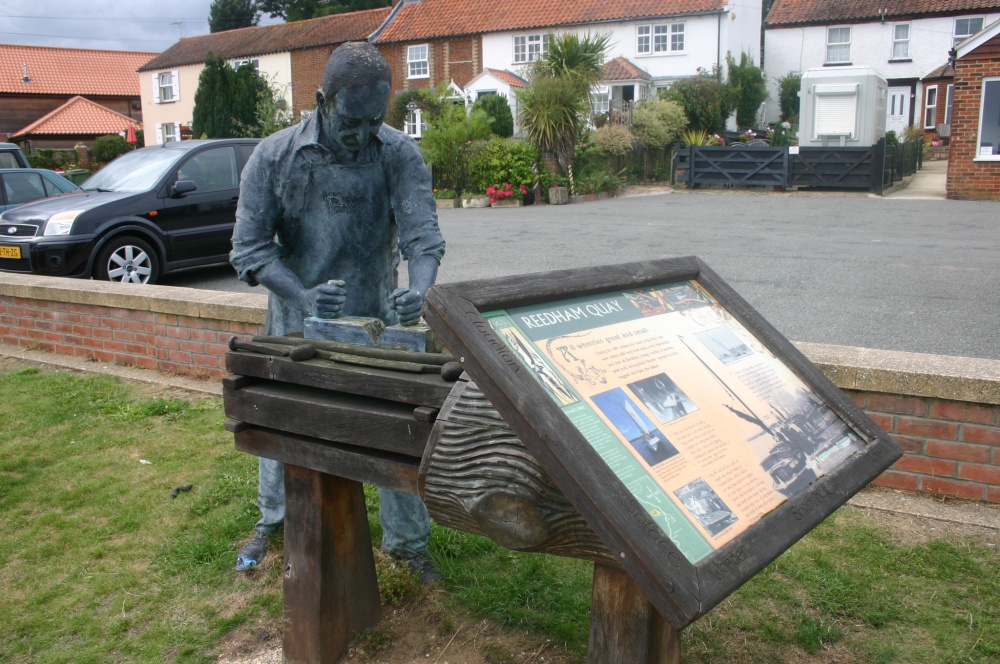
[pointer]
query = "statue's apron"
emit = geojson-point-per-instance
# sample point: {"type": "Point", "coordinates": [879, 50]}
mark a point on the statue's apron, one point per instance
{"type": "Point", "coordinates": [344, 230]}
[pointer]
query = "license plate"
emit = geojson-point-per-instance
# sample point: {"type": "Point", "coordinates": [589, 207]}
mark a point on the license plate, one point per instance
{"type": "Point", "coordinates": [10, 252]}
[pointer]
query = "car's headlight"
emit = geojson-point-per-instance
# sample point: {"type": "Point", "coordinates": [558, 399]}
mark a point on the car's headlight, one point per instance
{"type": "Point", "coordinates": [61, 223]}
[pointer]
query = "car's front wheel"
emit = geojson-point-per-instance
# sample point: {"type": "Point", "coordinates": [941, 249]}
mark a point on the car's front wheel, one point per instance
{"type": "Point", "coordinates": [128, 260]}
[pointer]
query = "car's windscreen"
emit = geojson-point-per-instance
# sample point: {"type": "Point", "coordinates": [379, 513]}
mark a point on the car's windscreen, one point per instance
{"type": "Point", "coordinates": [134, 171]}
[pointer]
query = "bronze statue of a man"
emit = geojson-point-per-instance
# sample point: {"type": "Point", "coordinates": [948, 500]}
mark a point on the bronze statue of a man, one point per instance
{"type": "Point", "coordinates": [327, 210]}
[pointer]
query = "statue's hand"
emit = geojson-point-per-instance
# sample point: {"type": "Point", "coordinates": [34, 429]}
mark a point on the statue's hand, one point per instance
{"type": "Point", "coordinates": [408, 305]}
{"type": "Point", "coordinates": [326, 300]}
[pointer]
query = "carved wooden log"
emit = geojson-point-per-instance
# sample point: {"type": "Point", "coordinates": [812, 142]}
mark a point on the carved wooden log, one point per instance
{"type": "Point", "coordinates": [477, 476]}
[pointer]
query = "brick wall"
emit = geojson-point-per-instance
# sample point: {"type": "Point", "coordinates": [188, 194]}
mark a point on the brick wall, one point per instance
{"type": "Point", "coordinates": [968, 179]}
{"type": "Point", "coordinates": [458, 59]}
{"type": "Point", "coordinates": [943, 411]}
{"type": "Point", "coordinates": [307, 73]}
{"type": "Point", "coordinates": [952, 447]}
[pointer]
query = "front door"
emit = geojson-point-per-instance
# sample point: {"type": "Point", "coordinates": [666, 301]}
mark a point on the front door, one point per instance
{"type": "Point", "coordinates": [897, 110]}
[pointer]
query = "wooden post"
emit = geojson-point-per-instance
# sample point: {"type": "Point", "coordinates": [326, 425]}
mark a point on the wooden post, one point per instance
{"type": "Point", "coordinates": [330, 589]}
{"type": "Point", "coordinates": [624, 626]}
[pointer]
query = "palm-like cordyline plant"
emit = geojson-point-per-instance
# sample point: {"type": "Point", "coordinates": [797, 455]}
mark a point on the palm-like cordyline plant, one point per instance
{"type": "Point", "coordinates": [555, 104]}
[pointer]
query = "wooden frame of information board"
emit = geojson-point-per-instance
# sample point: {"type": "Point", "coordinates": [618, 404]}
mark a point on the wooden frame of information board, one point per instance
{"type": "Point", "coordinates": [815, 445]}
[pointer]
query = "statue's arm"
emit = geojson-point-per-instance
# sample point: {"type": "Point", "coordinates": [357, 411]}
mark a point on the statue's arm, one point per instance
{"type": "Point", "coordinates": [420, 240]}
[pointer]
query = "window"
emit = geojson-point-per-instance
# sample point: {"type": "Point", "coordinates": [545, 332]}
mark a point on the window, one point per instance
{"type": "Point", "coordinates": [23, 188]}
{"type": "Point", "coordinates": [211, 170]}
{"type": "Point", "coordinates": [414, 125]}
{"type": "Point", "coordinates": [949, 100]}
{"type": "Point", "coordinates": [966, 27]}
{"type": "Point", "coordinates": [416, 61]}
{"type": "Point", "coordinates": [255, 63]}
{"type": "Point", "coordinates": [662, 38]}
{"type": "Point", "coordinates": [530, 48]}
{"type": "Point", "coordinates": [989, 121]}
{"type": "Point", "coordinates": [484, 93]}
{"type": "Point", "coordinates": [930, 108]}
{"type": "Point", "coordinates": [901, 41]}
{"type": "Point", "coordinates": [165, 87]}
{"type": "Point", "coordinates": [167, 132]}
{"type": "Point", "coordinates": [838, 45]}
{"type": "Point", "coordinates": [600, 99]}
{"type": "Point", "coordinates": [836, 110]}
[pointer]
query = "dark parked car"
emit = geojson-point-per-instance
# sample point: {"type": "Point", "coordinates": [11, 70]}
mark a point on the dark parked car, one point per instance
{"type": "Point", "coordinates": [23, 185]}
{"type": "Point", "coordinates": [148, 212]}
{"type": "Point", "coordinates": [12, 157]}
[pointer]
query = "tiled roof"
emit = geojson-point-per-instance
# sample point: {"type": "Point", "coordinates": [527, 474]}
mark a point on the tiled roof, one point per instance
{"type": "Point", "coordinates": [944, 71]}
{"type": "Point", "coordinates": [335, 29]}
{"type": "Point", "coordinates": [79, 116]}
{"type": "Point", "coordinates": [620, 69]}
{"type": "Point", "coordinates": [70, 71]}
{"type": "Point", "coordinates": [510, 78]}
{"type": "Point", "coordinates": [429, 19]}
{"type": "Point", "coordinates": [792, 12]}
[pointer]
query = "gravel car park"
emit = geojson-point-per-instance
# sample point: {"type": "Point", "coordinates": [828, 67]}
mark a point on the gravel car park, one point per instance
{"type": "Point", "coordinates": [151, 211]}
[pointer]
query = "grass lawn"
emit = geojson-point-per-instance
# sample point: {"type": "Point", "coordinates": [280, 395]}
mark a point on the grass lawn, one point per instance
{"type": "Point", "coordinates": [98, 563]}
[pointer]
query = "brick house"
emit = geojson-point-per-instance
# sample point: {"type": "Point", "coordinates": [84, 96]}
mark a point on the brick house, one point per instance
{"type": "Point", "coordinates": [38, 81]}
{"type": "Point", "coordinates": [974, 159]}
{"type": "Point", "coordinates": [903, 41]}
{"type": "Point", "coordinates": [290, 55]}
{"type": "Point", "coordinates": [936, 105]}
{"type": "Point", "coordinates": [427, 42]}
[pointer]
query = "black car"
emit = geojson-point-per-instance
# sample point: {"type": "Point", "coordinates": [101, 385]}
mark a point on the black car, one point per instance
{"type": "Point", "coordinates": [148, 212]}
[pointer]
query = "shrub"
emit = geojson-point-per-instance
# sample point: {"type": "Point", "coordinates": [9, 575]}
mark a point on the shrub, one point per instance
{"type": "Point", "coordinates": [447, 143]}
{"type": "Point", "coordinates": [891, 139]}
{"type": "Point", "coordinates": [788, 96]}
{"type": "Point", "coordinates": [504, 160]}
{"type": "Point", "coordinates": [695, 137]}
{"type": "Point", "coordinates": [108, 147]}
{"type": "Point", "coordinates": [497, 109]}
{"type": "Point", "coordinates": [747, 88]}
{"type": "Point", "coordinates": [427, 99]}
{"type": "Point", "coordinates": [703, 99]}
{"type": "Point", "coordinates": [656, 123]}
{"type": "Point", "coordinates": [613, 139]}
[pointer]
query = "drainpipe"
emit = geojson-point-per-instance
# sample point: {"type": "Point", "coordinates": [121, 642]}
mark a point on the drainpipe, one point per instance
{"type": "Point", "coordinates": [718, 41]}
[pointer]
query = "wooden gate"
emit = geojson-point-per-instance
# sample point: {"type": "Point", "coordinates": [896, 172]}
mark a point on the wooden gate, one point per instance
{"type": "Point", "coordinates": [843, 168]}
{"type": "Point", "coordinates": [738, 164]}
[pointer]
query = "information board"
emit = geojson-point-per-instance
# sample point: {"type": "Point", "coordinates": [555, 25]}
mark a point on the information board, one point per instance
{"type": "Point", "coordinates": [694, 439]}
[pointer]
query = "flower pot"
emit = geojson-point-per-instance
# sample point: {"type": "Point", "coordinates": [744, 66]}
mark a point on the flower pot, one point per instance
{"type": "Point", "coordinates": [558, 196]}
{"type": "Point", "coordinates": [508, 202]}
{"type": "Point", "coordinates": [447, 202]}
{"type": "Point", "coordinates": [476, 202]}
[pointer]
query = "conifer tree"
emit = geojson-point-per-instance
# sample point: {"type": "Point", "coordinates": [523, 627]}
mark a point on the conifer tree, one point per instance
{"type": "Point", "coordinates": [231, 14]}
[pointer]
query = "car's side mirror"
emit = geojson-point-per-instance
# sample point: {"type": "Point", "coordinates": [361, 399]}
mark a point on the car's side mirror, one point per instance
{"type": "Point", "coordinates": [182, 187]}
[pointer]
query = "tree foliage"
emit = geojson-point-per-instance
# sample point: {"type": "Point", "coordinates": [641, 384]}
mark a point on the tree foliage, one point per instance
{"type": "Point", "coordinates": [447, 143]}
{"type": "Point", "coordinates": [658, 122]}
{"type": "Point", "coordinates": [226, 101]}
{"type": "Point", "coordinates": [428, 100]}
{"type": "Point", "coordinates": [556, 102]}
{"type": "Point", "coordinates": [497, 109]}
{"type": "Point", "coordinates": [109, 147]}
{"type": "Point", "coordinates": [703, 99]}
{"type": "Point", "coordinates": [300, 10]}
{"type": "Point", "coordinates": [231, 14]}
{"type": "Point", "coordinates": [746, 87]}
{"type": "Point", "coordinates": [788, 96]}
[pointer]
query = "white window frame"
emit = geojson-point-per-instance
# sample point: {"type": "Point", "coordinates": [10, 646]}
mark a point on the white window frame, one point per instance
{"type": "Point", "coordinates": [962, 37]}
{"type": "Point", "coordinates": [173, 87]}
{"type": "Point", "coordinates": [930, 107]}
{"type": "Point", "coordinates": [949, 102]}
{"type": "Point", "coordinates": [994, 83]}
{"type": "Point", "coordinates": [418, 61]}
{"type": "Point", "coordinates": [413, 126]}
{"type": "Point", "coordinates": [600, 99]}
{"type": "Point", "coordinates": [530, 48]}
{"type": "Point", "coordinates": [900, 45]}
{"type": "Point", "coordinates": [660, 38]}
{"type": "Point", "coordinates": [838, 45]}
{"type": "Point", "coordinates": [164, 136]}
{"type": "Point", "coordinates": [255, 62]}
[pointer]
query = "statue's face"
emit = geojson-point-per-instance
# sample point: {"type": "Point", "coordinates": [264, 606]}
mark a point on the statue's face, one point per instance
{"type": "Point", "coordinates": [355, 114]}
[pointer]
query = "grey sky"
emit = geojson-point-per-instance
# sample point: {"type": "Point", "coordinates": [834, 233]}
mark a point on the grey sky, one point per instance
{"type": "Point", "coordinates": [121, 25]}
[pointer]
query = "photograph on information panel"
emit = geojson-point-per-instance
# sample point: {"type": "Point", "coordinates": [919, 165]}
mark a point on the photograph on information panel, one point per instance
{"type": "Point", "coordinates": [706, 427]}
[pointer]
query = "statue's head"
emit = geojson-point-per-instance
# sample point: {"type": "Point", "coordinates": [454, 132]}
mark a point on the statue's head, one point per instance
{"type": "Point", "coordinates": [355, 95]}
